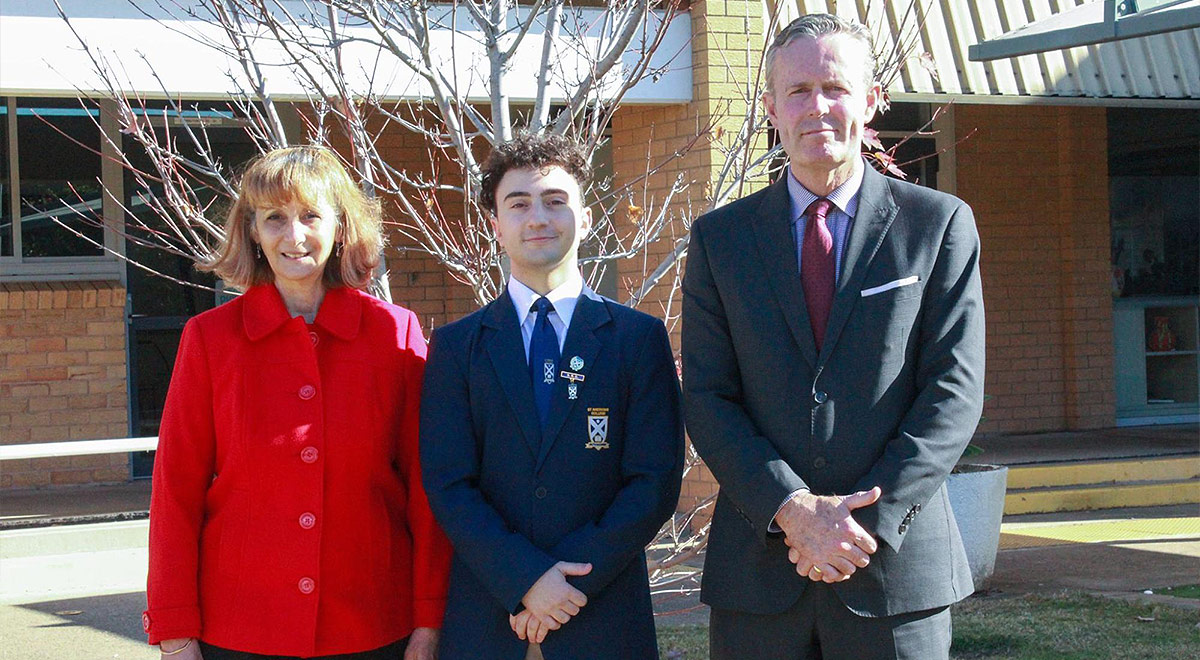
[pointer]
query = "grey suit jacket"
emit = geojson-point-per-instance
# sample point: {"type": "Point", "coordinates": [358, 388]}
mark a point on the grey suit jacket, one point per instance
{"type": "Point", "coordinates": [891, 400]}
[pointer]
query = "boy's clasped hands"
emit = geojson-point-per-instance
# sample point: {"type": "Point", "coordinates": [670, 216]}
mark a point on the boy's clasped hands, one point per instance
{"type": "Point", "coordinates": [549, 603]}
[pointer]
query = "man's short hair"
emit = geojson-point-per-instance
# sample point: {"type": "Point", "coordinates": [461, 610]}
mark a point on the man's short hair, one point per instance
{"type": "Point", "coordinates": [532, 151]}
{"type": "Point", "coordinates": [820, 25]}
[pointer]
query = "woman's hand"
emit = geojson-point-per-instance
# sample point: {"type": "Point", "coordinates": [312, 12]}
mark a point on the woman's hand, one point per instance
{"type": "Point", "coordinates": [191, 652]}
{"type": "Point", "coordinates": [422, 644]}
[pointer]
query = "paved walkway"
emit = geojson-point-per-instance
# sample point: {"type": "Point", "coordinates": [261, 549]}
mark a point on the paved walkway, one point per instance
{"type": "Point", "coordinates": [1117, 551]}
{"type": "Point", "coordinates": [75, 591]}
{"type": "Point", "coordinates": [90, 599]}
{"type": "Point", "coordinates": [1090, 445]}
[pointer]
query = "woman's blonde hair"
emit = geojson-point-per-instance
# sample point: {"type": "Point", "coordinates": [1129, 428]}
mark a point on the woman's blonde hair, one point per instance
{"type": "Point", "coordinates": [304, 174]}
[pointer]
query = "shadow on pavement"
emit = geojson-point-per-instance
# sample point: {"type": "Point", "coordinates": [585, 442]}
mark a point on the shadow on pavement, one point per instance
{"type": "Point", "coordinates": [117, 614]}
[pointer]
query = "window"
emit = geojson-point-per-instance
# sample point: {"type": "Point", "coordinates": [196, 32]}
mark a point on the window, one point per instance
{"type": "Point", "coordinates": [51, 174]}
{"type": "Point", "coordinates": [160, 306]}
{"type": "Point", "coordinates": [1154, 198]}
{"type": "Point", "coordinates": [916, 154]}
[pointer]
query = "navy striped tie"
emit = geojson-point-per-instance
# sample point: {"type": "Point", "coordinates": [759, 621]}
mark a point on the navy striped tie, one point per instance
{"type": "Point", "coordinates": [543, 357]}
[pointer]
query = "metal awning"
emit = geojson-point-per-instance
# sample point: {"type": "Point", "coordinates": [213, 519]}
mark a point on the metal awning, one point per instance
{"type": "Point", "coordinates": [158, 49]}
{"type": "Point", "coordinates": [1095, 23]}
{"type": "Point", "coordinates": [1158, 69]}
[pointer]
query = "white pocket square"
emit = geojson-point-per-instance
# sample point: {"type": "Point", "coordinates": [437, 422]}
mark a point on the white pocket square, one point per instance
{"type": "Point", "coordinates": [895, 284]}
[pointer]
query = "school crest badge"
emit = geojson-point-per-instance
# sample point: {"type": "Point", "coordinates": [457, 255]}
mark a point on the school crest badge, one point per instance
{"type": "Point", "coordinates": [597, 429]}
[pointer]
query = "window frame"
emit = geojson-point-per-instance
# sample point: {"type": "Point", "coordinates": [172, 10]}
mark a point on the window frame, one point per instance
{"type": "Point", "coordinates": [106, 266]}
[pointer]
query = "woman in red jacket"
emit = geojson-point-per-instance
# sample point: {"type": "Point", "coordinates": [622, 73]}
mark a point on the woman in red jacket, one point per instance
{"type": "Point", "coordinates": [288, 517]}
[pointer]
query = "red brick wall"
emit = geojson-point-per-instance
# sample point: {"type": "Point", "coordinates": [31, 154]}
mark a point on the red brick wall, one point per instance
{"type": "Point", "coordinates": [62, 377]}
{"type": "Point", "coordinates": [1037, 179]}
{"type": "Point", "coordinates": [417, 280]}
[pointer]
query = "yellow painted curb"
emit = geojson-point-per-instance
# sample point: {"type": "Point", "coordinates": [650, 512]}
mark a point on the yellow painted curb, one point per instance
{"type": "Point", "coordinates": [1099, 472]}
{"type": "Point", "coordinates": [1101, 497]}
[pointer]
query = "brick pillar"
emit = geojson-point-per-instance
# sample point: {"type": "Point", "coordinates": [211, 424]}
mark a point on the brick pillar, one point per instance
{"type": "Point", "coordinates": [1087, 333]}
{"type": "Point", "coordinates": [724, 65]}
{"type": "Point", "coordinates": [1036, 178]}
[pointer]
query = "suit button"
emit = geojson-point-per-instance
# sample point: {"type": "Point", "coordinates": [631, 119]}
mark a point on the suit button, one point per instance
{"type": "Point", "coordinates": [903, 527]}
{"type": "Point", "coordinates": [540, 492]}
{"type": "Point", "coordinates": [309, 454]}
{"type": "Point", "coordinates": [314, 337]}
{"type": "Point", "coordinates": [819, 462]}
{"type": "Point", "coordinates": [307, 520]}
{"type": "Point", "coordinates": [307, 392]}
{"type": "Point", "coordinates": [820, 397]}
{"type": "Point", "coordinates": [146, 621]}
{"type": "Point", "coordinates": [306, 585]}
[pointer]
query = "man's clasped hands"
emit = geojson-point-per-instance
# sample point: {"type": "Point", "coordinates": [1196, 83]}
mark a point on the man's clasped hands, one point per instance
{"type": "Point", "coordinates": [824, 541]}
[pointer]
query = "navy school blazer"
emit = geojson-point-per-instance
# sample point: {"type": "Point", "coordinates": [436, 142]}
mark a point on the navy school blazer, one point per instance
{"type": "Point", "coordinates": [594, 486]}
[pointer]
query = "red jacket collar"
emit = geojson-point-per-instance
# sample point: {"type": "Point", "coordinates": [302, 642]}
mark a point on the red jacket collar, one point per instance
{"type": "Point", "coordinates": [263, 312]}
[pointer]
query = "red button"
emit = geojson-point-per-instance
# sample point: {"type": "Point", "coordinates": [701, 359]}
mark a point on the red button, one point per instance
{"type": "Point", "coordinates": [146, 621]}
{"type": "Point", "coordinates": [308, 454]}
{"type": "Point", "coordinates": [313, 336]}
{"type": "Point", "coordinates": [307, 392]}
{"type": "Point", "coordinates": [306, 585]}
{"type": "Point", "coordinates": [307, 520]}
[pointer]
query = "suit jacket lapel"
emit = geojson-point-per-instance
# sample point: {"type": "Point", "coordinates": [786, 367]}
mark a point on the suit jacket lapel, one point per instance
{"type": "Point", "coordinates": [876, 211]}
{"type": "Point", "coordinates": [506, 349]}
{"type": "Point", "coordinates": [777, 247]}
{"type": "Point", "coordinates": [590, 313]}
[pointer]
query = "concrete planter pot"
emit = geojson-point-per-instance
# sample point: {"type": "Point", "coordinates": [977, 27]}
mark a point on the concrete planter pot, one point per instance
{"type": "Point", "coordinates": [977, 498]}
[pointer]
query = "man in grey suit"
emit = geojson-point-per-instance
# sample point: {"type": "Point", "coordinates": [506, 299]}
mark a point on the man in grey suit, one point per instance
{"type": "Point", "coordinates": [833, 350]}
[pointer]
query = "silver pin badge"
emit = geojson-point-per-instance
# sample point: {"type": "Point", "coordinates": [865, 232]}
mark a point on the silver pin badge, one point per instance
{"type": "Point", "coordinates": [548, 372]}
{"type": "Point", "coordinates": [572, 391]}
{"type": "Point", "coordinates": [576, 363]}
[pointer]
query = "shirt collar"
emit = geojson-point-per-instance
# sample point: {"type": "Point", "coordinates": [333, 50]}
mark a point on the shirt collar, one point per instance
{"type": "Point", "coordinates": [845, 196]}
{"type": "Point", "coordinates": [563, 297]}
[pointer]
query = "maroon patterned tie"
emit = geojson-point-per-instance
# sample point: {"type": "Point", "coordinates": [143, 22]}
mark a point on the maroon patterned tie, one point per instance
{"type": "Point", "coordinates": [817, 272]}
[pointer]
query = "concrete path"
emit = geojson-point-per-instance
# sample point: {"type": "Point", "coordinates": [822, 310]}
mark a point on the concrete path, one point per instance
{"type": "Point", "coordinates": [94, 628]}
{"type": "Point", "coordinates": [1116, 551]}
{"type": "Point", "coordinates": [76, 591]}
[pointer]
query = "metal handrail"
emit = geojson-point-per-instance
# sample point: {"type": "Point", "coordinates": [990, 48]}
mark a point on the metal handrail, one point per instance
{"type": "Point", "coordinates": [77, 448]}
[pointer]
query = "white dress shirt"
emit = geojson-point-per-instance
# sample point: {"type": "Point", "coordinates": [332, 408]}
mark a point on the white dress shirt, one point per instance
{"type": "Point", "coordinates": [563, 297]}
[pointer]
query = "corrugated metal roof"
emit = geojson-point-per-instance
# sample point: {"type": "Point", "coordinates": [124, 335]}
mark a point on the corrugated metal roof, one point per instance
{"type": "Point", "coordinates": [1163, 67]}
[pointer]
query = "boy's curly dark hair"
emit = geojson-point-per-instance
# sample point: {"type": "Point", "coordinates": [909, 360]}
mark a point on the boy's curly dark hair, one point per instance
{"type": "Point", "coordinates": [532, 151]}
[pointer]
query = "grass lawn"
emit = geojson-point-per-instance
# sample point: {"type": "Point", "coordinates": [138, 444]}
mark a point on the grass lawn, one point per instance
{"type": "Point", "coordinates": [1063, 627]}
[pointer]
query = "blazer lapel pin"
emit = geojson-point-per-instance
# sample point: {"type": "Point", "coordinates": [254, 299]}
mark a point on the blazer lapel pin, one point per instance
{"type": "Point", "coordinates": [573, 388]}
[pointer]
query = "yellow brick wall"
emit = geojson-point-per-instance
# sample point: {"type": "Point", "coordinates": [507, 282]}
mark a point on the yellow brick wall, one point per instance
{"type": "Point", "coordinates": [62, 377]}
{"type": "Point", "coordinates": [726, 50]}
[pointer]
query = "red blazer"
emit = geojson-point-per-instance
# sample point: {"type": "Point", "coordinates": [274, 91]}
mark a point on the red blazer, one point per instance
{"type": "Point", "coordinates": [287, 514]}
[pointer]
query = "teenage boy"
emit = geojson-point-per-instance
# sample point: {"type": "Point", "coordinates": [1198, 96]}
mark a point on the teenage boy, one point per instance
{"type": "Point", "coordinates": [551, 436]}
